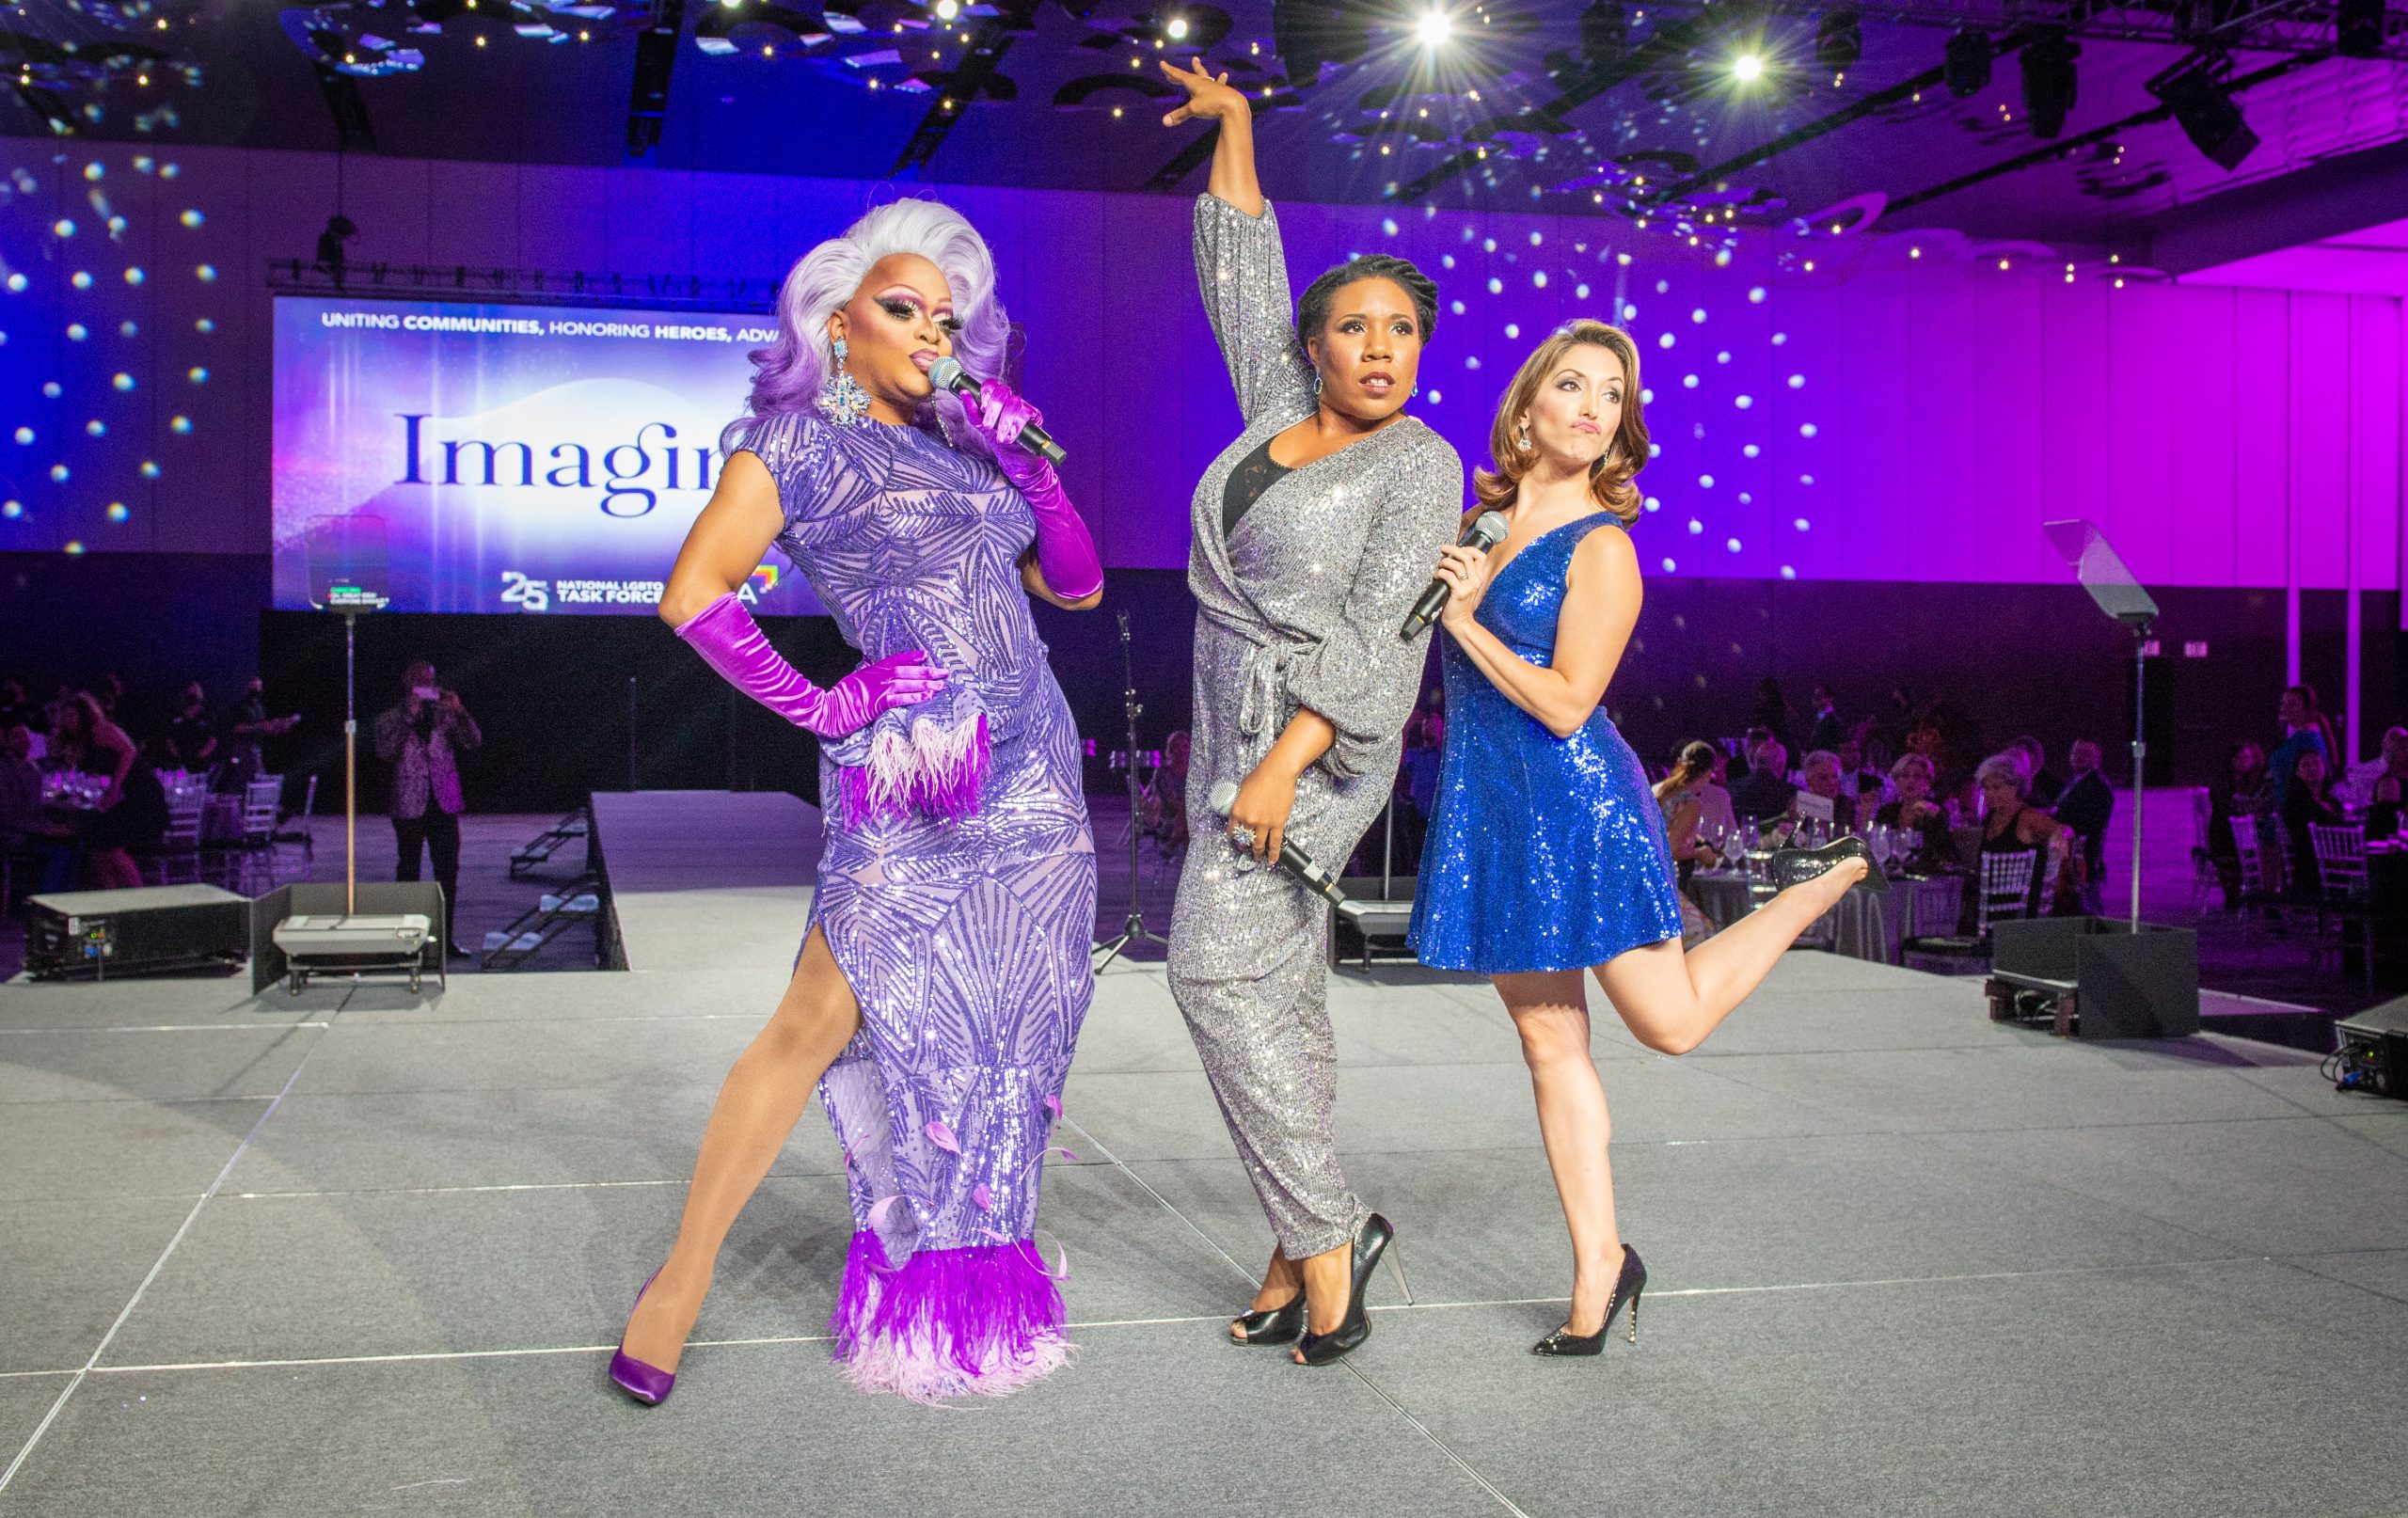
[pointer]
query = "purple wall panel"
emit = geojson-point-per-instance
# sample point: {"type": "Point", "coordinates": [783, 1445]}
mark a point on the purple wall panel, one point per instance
{"type": "Point", "coordinates": [2208, 439]}
{"type": "Point", "coordinates": [648, 219]}
{"type": "Point", "coordinates": [2320, 346]}
{"type": "Point", "coordinates": [2140, 438]}
{"type": "Point", "coordinates": [393, 202]}
{"type": "Point", "coordinates": [213, 468]}
{"type": "Point", "coordinates": [2073, 436]}
{"type": "Point", "coordinates": [1060, 362]}
{"type": "Point", "coordinates": [476, 222]}
{"type": "Point", "coordinates": [289, 197]}
{"type": "Point", "coordinates": [1145, 274]}
{"type": "Point", "coordinates": [2263, 461]}
{"type": "Point", "coordinates": [564, 218]}
{"type": "Point", "coordinates": [1944, 436]}
{"type": "Point", "coordinates": [2375, 429]}
{"type": "Point", "coordinates": [101, 431]}
{"type": "Point", "coordinates": [2016, 470]}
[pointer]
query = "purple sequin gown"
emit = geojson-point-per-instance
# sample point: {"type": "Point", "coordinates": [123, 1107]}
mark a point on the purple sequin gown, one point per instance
{"type": "Point", "coordinates": [958, 895]}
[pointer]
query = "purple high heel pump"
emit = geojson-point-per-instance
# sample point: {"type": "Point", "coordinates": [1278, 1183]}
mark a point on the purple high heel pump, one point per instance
{"type": "Point", "coordinates": [648, 1384]}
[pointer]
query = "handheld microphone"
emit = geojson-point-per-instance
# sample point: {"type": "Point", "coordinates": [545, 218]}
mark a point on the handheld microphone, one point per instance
{"type": "Point", "coordinates": [1487, 531]}
{"type": "Point", "coordinates": [948, 373]}
{"type": "Point", "coordinates": [1292, 858]}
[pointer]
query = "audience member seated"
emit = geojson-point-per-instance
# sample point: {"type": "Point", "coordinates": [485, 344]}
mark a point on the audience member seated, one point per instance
{"type": "Point", "coordinates": [1821, 775]}
{"type": "Point", "coordinates": [1915, 812]}
{"type": "Point", "coordinates": [2239, 791]}
{"type": "Point", "coordinates": [2306, 802]}
{"type": "Point", "coordinates": [133, 812]}
{"type": "Point", "coordinates": [1827, 729]}
{"type": "Point", "coordinates": [1764, 793]}
{"type": "Point", "coordinates": [2085, 805]}
{"type": "Point", "coordinates": [1697, 812]}
{"type": "Point", "coordinates": [2044, 786]}
{"type": "Point", "coordinates": [191, 740]}
{"type": "Point", "coordinates": [1859, 777]}
{"type": "Point", "coordinates": [27, 832]}
{"type": "Point", "coordinates": [2011, 824]}
{"type": "Point", "coordinates": [2390, 787]}
{"type": "Point", "coordinates": [2304, 728]}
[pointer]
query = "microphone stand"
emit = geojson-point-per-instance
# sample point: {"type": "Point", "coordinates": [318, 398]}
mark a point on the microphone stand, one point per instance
{"type": "Point", "coordinates": [1134, 930]}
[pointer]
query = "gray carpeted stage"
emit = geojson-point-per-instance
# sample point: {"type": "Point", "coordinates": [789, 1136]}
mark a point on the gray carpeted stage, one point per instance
{"type": "Point", "coordinates": [362, 1252]}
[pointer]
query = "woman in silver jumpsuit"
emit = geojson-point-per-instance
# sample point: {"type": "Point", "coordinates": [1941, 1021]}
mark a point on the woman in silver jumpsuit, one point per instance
{"type": "Point", "coordinates": [1313, 532]}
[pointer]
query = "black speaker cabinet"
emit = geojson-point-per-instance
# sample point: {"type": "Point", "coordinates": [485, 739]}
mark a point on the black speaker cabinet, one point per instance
{"type": "Point", "coordinates": [2108, 981]}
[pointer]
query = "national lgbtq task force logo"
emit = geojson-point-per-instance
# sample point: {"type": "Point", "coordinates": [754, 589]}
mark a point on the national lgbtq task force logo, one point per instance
{"type": "Point", "coordinates": [529, 594]}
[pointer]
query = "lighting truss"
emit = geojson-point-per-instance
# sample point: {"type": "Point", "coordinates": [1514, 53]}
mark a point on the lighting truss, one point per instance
{"type": "Point", "coordinates": [2287, 26]}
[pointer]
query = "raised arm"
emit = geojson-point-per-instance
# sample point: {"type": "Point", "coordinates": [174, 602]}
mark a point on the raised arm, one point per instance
{"type": "Point", "coordinates": [1239, 268]}
{"type": "Point", "coordinates": [1601, 596]}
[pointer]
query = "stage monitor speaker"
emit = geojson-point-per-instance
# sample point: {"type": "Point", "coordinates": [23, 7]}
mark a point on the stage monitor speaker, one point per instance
{"type": "Point", "coordinates": [2111, 982]}
{"type": "Point", "coordinates": [2373, 1048]}
{"type": "Point", "coordinates": [146, 931]}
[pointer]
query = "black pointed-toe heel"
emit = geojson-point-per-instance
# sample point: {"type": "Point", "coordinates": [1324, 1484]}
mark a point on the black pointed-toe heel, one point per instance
{"type": "Point", "coordinates": [1795, 866]}
{"type": "Point", "coordinates": [1272, 1325]}
{"type": "Point", "coordinates": [1627, 1288]}
{"type": "Point", "coordinates": [1377, 1242]}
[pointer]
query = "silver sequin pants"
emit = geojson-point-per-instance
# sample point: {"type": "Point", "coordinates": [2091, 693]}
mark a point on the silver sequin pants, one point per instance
{"type": "Point", "coordinates": [1249, 969]}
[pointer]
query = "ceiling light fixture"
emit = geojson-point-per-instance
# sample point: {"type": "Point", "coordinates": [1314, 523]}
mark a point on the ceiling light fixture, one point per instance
{"type": "Point", "coordinates": [1433, 28]}
{"type": "Point", "coordinates": [2049, 81]}
{"type": "Point", "coordinates": [2193, 90]}
{"type": "Point", "coordinates": [1966, 66]}
{"type": "Point", "coordinates": [1747, 67]}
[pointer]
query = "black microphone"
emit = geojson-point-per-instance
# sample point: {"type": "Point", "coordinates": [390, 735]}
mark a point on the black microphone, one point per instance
{"type": "Point", "coordinates": [948, 373]}
{"type": "Point", "coordinates": [1487, 531]}
{"type": "Point", "coordinates": [1292, 858]}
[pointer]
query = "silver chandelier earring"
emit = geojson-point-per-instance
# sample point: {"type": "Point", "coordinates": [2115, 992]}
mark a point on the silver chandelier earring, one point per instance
{"type": "Point", "coordinates": [843, 402]}
{"type": "Point", "coordinates": [1522, 437]}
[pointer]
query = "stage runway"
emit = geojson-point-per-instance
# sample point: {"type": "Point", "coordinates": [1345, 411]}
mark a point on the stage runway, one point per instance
{"type": "Point", "coordinates": [362, 1252]}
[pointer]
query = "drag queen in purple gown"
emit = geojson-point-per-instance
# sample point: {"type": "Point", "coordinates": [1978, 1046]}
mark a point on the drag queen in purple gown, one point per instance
{"type": "Point", "coordinates": [944, 971]}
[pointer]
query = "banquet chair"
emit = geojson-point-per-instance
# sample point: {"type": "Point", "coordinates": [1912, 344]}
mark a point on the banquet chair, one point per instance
{"type": "Point", "coordinates": [2002, 891]}
{"type": "Point", "coordinates": [2203, 862]}
{"type": "Point", "coordinates": [2341, 893]}
{"type": "Point", "coordinates": [299, 834]}
{"type": "Point", "coordinates": [2262, 879]}
{"type": "Point", "coordinates": [177, 858]}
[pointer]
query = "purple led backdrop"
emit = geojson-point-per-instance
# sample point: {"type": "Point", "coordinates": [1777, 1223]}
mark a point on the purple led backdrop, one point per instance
{"type": "Point", "coordinates": [1890, 418]}
{"type": "Point", "coordinates": [522, 458]}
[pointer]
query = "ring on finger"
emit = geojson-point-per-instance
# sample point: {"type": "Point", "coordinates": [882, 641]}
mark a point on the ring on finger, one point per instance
{"type": "Point", "coordinates": [1243, 836]}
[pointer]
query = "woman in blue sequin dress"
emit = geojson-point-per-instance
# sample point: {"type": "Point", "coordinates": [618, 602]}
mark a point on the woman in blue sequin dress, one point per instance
{"type": "Point", "coordinates": [1547, 856]}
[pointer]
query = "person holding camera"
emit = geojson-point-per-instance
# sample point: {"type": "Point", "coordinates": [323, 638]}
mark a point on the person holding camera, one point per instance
{"type": "Point", "coordinates": [423, 738]}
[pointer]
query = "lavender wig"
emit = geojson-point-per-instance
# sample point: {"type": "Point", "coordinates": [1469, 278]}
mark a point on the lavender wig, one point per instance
{"type": "Point", "coordinates": [789, 373]}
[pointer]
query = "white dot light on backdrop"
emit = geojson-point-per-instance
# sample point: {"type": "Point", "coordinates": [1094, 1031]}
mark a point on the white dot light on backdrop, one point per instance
{"type": "Point", "coordinates": [1914, 252]}
{"type": "Point", "coordinates": [1433, 398]}
{"type": "Point", "coordinates": [1731, 544]}
{"type": "Point", "coordinates": [1663, 340]}
{"type": "Point", "coordinates": [1580, 292]}
{"type": "Point", "coordinates": [1629, 311]}
{"type": "Point", "coordinates": [127, 329]}
{"type": "Point", "coordinates": [179, 425]}
{"type": "Point", "coordinates": [1797, 381]}
{"type": "Point", "coordinates": [197, 375]}
{"type": "Point", "coordinates": [1488, 245]}
{"type": "Point", "coordinates": [17, 283]}
{"type": "Point", "coordinates": [118, 512]}
{"type": "Point", "coordinates": [81, 279]}
{"type": "Point", "coordinates": [1623, 258]}
{"type": "Point", "coordinates": [1756, 295]}
{"type": "Point", "coordinates": [12, 509]}
{"type": "Point", "coordinates": [1472, 362]}
{"type": "Point", "coordinates": [1434, 27]}
{"type": "Point", "coordinates": [133, 276]}
{"type": "Point", "coordinates": [1788, 572]}
{"type": "Point", "coordinates": [204, 324]}
{"type": "Point", "coordinates": [149, 470]}
{"type": "Point", "coordinates": [1688, 382]}
{"type": "Point", "coordinates": [96, 427]}
{"type": "Point", "coordinates": [1655, 451]}
{"type": "Point", "coordinates": [168, 171]}
{"type": "Point", "coordinates": [1722, 357]}
{"type": "Point", "coordinates": [1512, 329]}
{"type": "Point", "coordinates": [77, 545]}
{"type": "Point", "coordinates": [1538, 279]}
{"type": "Point", "coordinates": [63, 226]}
{"type": "Point", "coordinates": [123, 381]}
{"type": "Point", "coordinates": [207, 272]}
{"type": "Point", "coordinates": [52, 390]}
{"type": "Point", "coordinates": [117, 224]}
{"type": "Point", "coordinates": [1536, 240]}
{"type": "Point", "coordinates": [1705, 482]}
{"type": "Point", "coordinates": [1387, 226]}
{"type": "Point", "coordinates": [192, 218]}
{"type": "Point", "coordinates": [1697, 315]}
{"type": "Point", "coordinates": [77, 332]}
{"type": "Point", "coordinates": [1497, 287]}
{"type": "Point", "coordinates": [26, 435]}
{"type": "Point", "coordinates": [1746, 499]}
{"type": "Point", "coordinates": [1801, 524]}
{"type": "Point", "coordinates": [1663, 287]}
{"type": "Point", "coordinates": [1743, 403]}
{"type": "Point", "coordinates": [1805, 479]}
{"type": "Point", "coordinates": [1750, 451]}
{"type": "Point", "coordinates": [1456, 307]}
{"type": "Point", "coordinates": [93, 171]}
{"type": "Point", "coordinates": [1446, 260]}
{"type": "Point", "coordinates": [1654, 505]}
{"type": "Point", "coordinates": [1807, 430]}
{"type": "Point", "coordinates": [59, 473]}
{"type": "Point", "coordinates": [1669, 566]}
{"type": "Point", "coordinates": [1647, 396]}
{"type": "Point", "coordinates": [1780, 337]}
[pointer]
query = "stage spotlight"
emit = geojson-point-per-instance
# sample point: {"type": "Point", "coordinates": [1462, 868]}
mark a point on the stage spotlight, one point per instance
{"type": "Point", "coordinates": [948, 9]}
{"type": "Point", "coordinates": [1966, 65]}
{"type": "Point", "coordinates": [1434, 27]}
{"type": "Point", "coordinates": [2357, 28]}
{"type": "Point", "coordinates": [1605, 33]}
{"type": "Point", "coordinates": [2049, 81]}
{"type": "Point", "coordinates": [1176, 29]}
{"type": "Point", "coordinates": [2193, 90]}
{"type": "Point", "coordinates": [1839, 40]}
{"type": "Point", "coordinates": [1747, 67]}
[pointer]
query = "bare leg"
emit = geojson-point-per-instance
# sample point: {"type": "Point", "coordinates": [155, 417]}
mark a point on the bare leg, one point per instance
{"type": "Point", "coordinates": [1329, 1279]}
{"type": "Point", "coordinates": [761, 1100]}
{"type": "Point", "coordinates": [1670, 1001]}
{"type": "Point", "coordinates": [1551, 1014]}
{"type": "Point", "coordinates": [1281, 1281]}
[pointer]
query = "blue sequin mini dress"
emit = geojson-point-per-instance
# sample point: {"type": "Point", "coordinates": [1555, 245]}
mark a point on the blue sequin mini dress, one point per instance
{"type": "Point", "coordinates": [1544, 853]}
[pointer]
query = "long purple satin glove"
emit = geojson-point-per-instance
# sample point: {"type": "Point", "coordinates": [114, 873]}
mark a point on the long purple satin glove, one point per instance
{"type": "Point", "coordinates": [1065, 553]}
{"type": "Point", "coordinates": [730, 642]}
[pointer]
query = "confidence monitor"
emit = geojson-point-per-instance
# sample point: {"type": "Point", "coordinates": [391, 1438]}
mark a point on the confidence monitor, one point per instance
{"type": "Point", "coordinates": [526, 460]}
